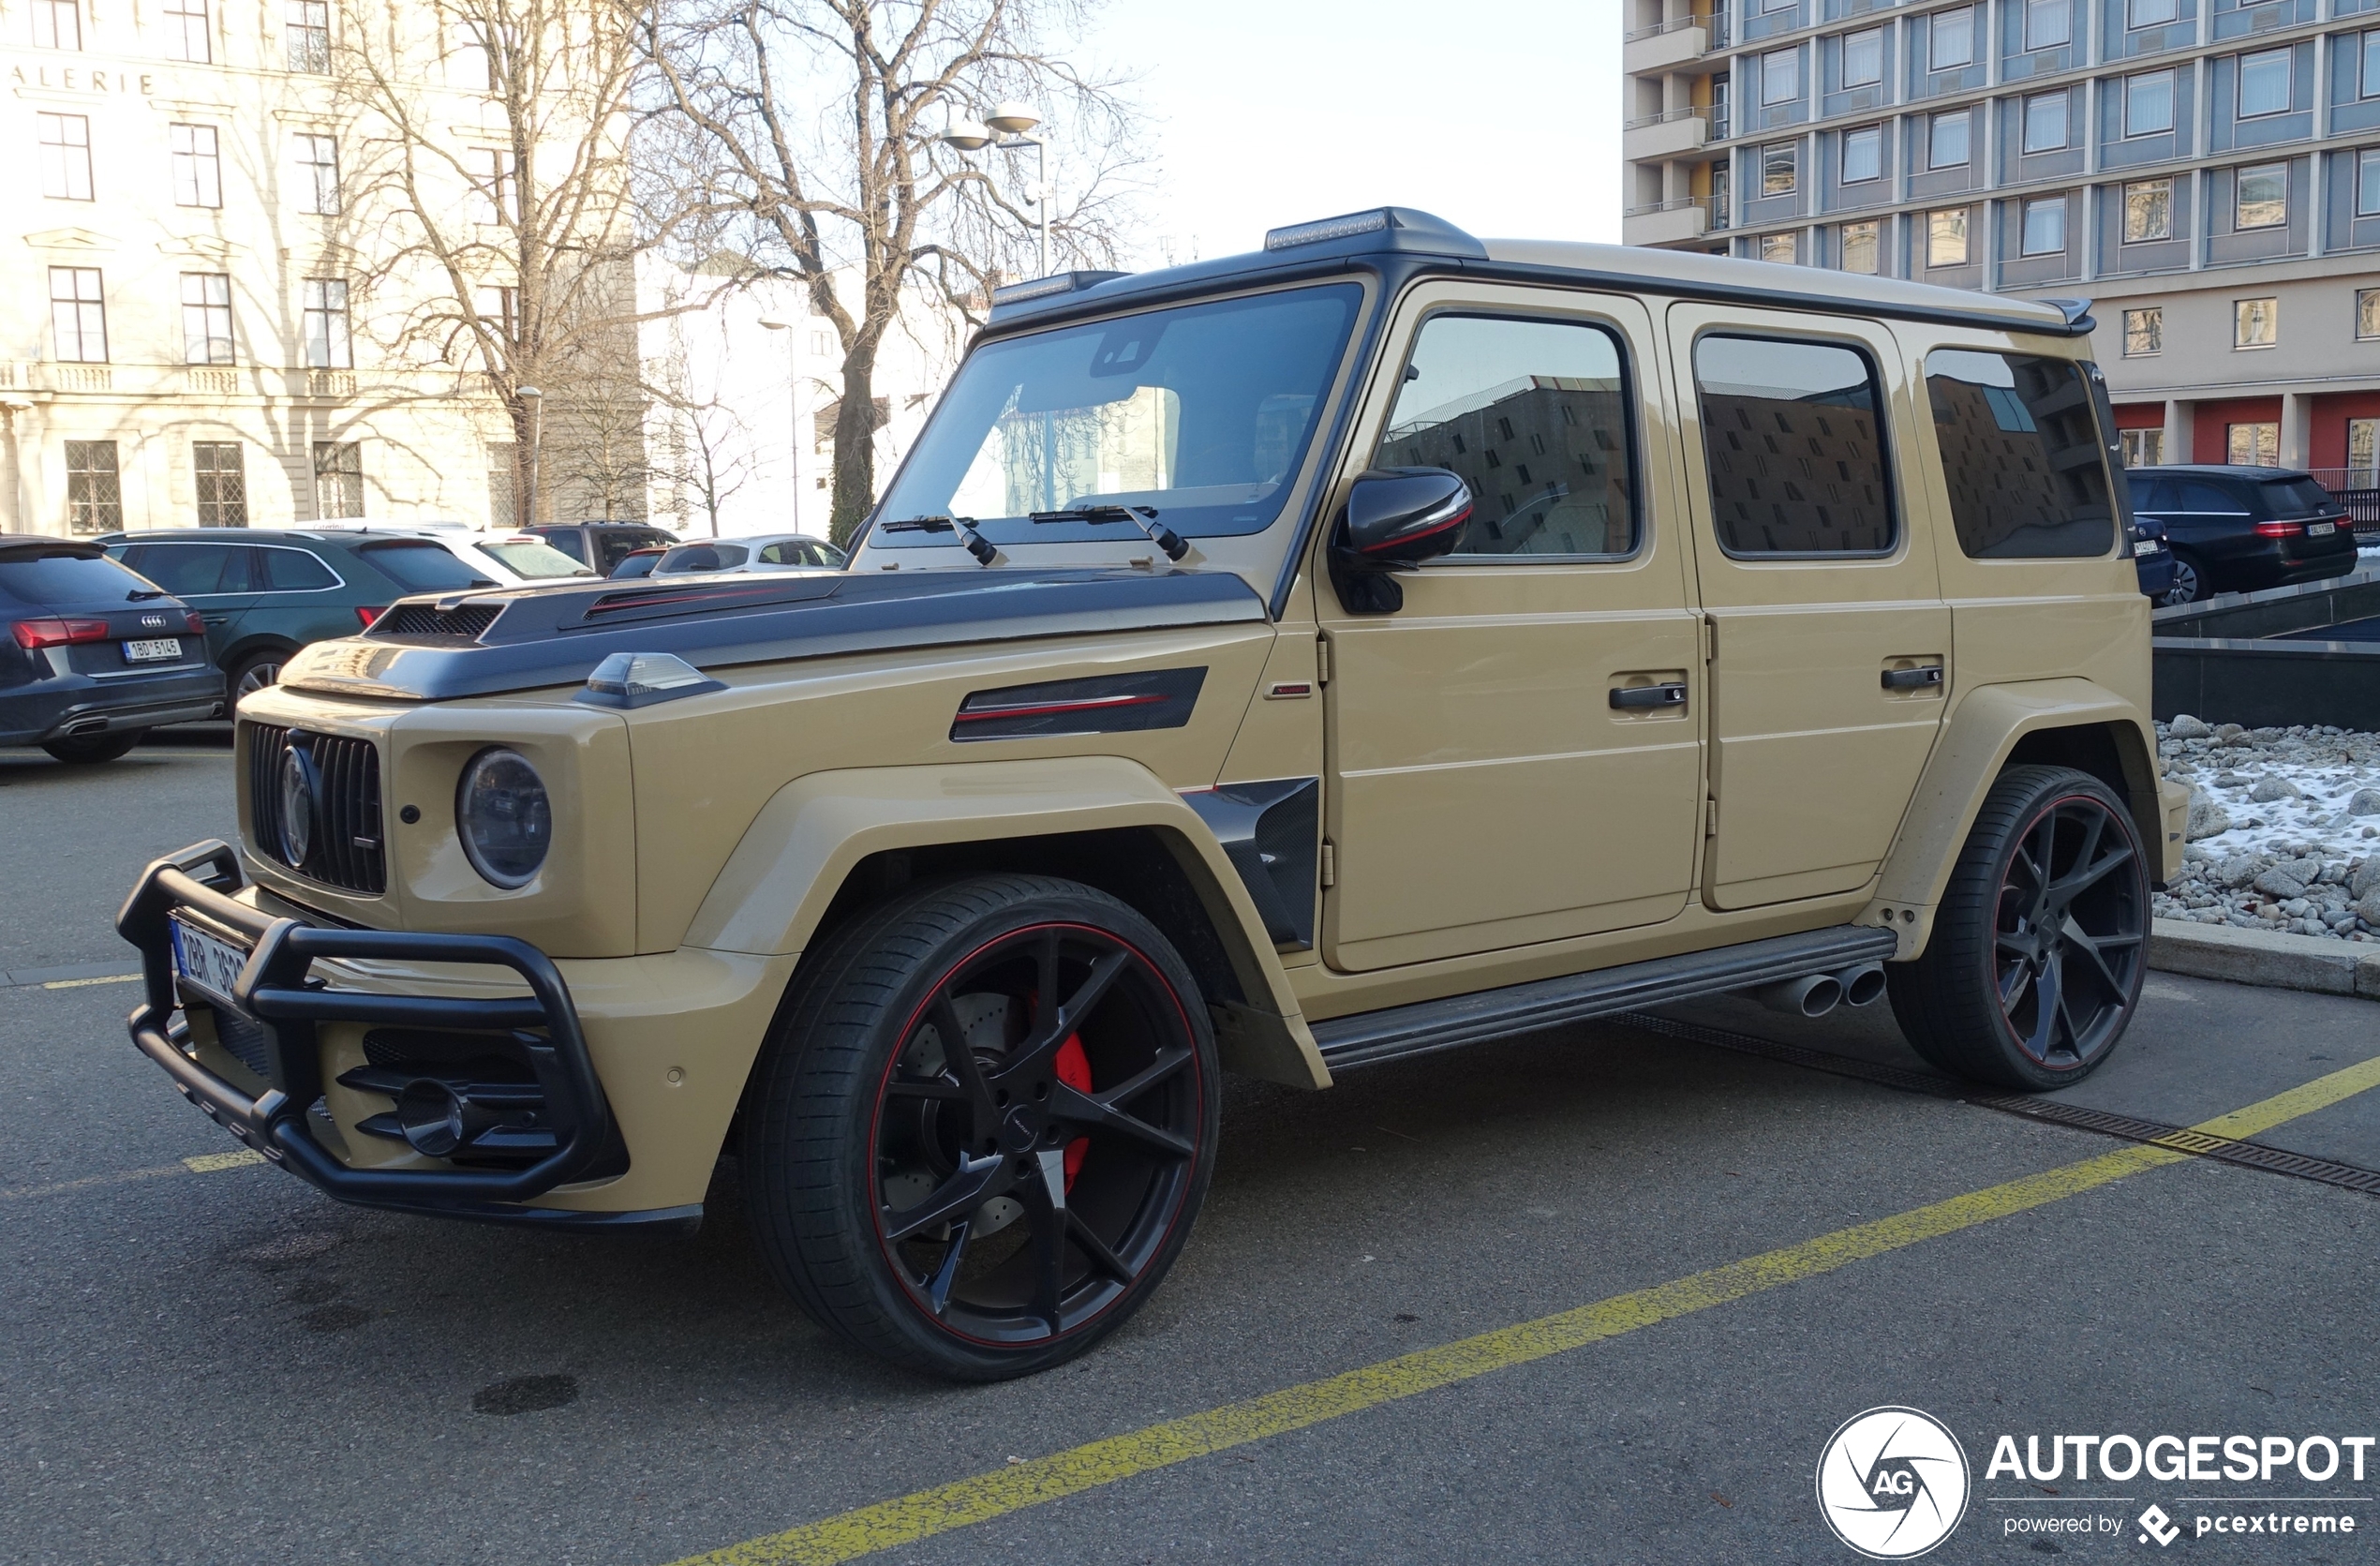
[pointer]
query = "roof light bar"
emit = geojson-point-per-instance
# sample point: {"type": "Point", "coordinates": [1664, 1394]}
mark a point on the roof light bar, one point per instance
{"type": "Point", "coordinates": [1353, 223]}
{"type": "Point", "coordinates": [1042, 288]}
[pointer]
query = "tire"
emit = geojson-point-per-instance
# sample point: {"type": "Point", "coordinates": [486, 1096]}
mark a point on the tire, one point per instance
{"type": "Point", "coordinates": [886, 1179]}
{"type": "Point", "coordinates": [2190, 581]}
{"type": "Point", "coordinates": [1994, 1000]}
{"type": "Point", "coordinates": [253, 674]}
{"type": "Point", "coordinates": [96, 748]}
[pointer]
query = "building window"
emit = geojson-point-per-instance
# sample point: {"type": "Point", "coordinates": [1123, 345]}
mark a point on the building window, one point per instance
{"type": "Point", "coordinates": [2049, 24]}
{"type": "Point", "coordinates": [2261, 200]}
{"type": "Point", "coordinates": [2363, 444]}
{"type": "Point", "coordinates": [1722, 114]}
{"type": "Point", "coordinates": [327, 346]}
{"type": "Point", "coordinates": [338, 478]}
{"type": "Point", "coordinates": [65, 157]}
{"type": "Point", "coordinates": [1782, 248]}
{"type": "Point", "coordinates": [2368, 183]}
{"type": "Point", "coordinates": [2143, 447]}
{"type": "Point", "coordinates": [1780, 168]}
{"type": "Point", "coordinates": [318, 174]}
{"type": "Point", "coordinates": [1946, 141]}
{"type": "Point", "coordinates": [2044, 227]}
{"type": "Point", "coordinates": [2145, 332]}
{"type": "Point", "coordinates": [2148, 211]}
{"type": "Point", "coordinates": [2368, 78]}
{"type": "Point", "coordinates": [1946, 237]}
{"type": "Point", "coordinates": [2148, 103]}
{"type": "Point", "coordinates": [2151, 13]}
{"type": "Point", "coordinates": [78, 315]}
{"type": "Point", "coordinates": [496, 186]}
{"type": "Point", "coordinates": [57, 23]}
{"type": "Point", "coordinates": [307, 36]}
{"type": "Point", "coordinates": [221, 483]}
{"type": "Point", "coordinates": [2257, 445]}
{"type": "Point", "coordinates": [1768, 6]}
{"type": "Point", "coordinates": [186, 32]}
{"type": "Point", "coordinates": [206, 319]}
{"type": "Point", "coordinates": [94, 490]}
{"type": "Point", "coordinates": [1863, 153]}
{"type": "Point", "coordinates": [2367, 314]}
{"type": "Point", "coordinates": [198, 168]}
{"type": "Point", "coordinates": [2256, 322]}
{"type": "Point", "coordinates": [1950, 41]}
{"type": "Point", "coordinates": [2045, 122]}
{"type": "Point", "coordinates": [1864, 57]}
{"type": "Point", "coordinates": [1780, 76]}
{"type": "Point", "coordinates": [1860, 247]}
{"type": "Point", "coordinates": [2264, 83]}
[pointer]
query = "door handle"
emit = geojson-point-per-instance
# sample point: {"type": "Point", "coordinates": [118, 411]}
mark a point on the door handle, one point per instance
{"type": "Point", "coordinates": [1631, 697]}
{"type": "Point", "coordinates": [1913, 679]}
{"type": "Point", "coordinates": [216, 620]}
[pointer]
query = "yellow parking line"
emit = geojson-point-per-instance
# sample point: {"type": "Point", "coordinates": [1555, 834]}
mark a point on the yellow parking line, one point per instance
{"type": "Point", "coordinates": [202, 1163]}
{"type": "Point", "coordinates": [207, 1163]}
{"type": "Point", "coordinates": [79, 983]}
{"type": "Point", "coordinates": [985, 1497]}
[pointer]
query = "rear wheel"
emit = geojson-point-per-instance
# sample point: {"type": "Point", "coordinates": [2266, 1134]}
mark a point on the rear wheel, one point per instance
{"type": "Point", "coordinates": [2190, 581]}
{"type": "Point", "coordinates": [2040, 945]}
{"type": "Point", "coordinates": [96, 748]}
{"type": "Point", "coordinates": [254, 673]}
{"type": "Point", "coordinates": [985, 1126]}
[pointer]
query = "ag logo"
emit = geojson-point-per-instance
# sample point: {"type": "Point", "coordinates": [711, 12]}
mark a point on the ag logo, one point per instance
{"type": "Point", "coordinates": [1892, 1483]}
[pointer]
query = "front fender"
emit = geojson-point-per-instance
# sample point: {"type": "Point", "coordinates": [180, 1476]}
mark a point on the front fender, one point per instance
{"type": "Point", "coordinates": [776, 885]}
{"type": "Point", "coordinates": [1978, 739]}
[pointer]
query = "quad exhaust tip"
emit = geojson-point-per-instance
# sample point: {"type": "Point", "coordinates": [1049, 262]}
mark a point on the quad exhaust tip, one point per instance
{"type": "Point", "coordinates": [1816, 994]}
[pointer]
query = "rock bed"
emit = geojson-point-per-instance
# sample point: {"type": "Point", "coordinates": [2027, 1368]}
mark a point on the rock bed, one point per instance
{"type": "Point", "coordinates": [2284, 828]}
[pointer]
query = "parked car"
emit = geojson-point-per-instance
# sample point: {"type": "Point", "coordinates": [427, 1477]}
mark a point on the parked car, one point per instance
{"type": "Point", "coordinates": [515, 560]}
{"type": "Point", "coordinates": [2151, 558]}
{"type": "Point", "coordinates": [266, 592]}
{"type": "Point", "coordinates": [2234, 529]}
{"type": "Point", "coordinates": [640, 562]}
{"type": "Point", "coordinates": [757, 552]}
{"type": "Point", "coordinates": [601, 545]}
{"type": "Point", "coordinates": [92, 656]}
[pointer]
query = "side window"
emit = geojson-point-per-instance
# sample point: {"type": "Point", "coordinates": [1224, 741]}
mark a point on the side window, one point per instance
{"type": "Point", "coordinates": [1534, 416]}
{"type": "Point", "coordinates": [295, 570]}
{"type": "Point", "coordinates": [2152, 495]}
{"type": "Point", "coordinates": [2021, 454]}
{"type": "Point", "coordinates": [783, 554]}
{"type": "Point", "coordinates": [183, 569]}
{"type": "Point", "coordinates": [1794, 435]}
{"type": "Point", "coordinates": [570, 542]}
{"type": "Point", "coordinates": [2199, 495]}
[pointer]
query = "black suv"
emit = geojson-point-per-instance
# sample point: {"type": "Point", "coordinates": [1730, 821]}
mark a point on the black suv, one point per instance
{"type": "Point", "coordinates": [2234, 530]}
{"type": "Point", "coordinates": [601, 545]}
{"type": "Point", "coordinates": [91, 656]}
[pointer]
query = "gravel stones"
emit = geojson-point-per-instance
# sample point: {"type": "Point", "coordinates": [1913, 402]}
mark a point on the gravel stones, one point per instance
{"type": "Point", "coordinates": [2270, 789]}
{"type": "Point", "coordinates": [2184, 726]}
{"type": "Point", "coordinates": [2366, 803]}
{"type": "Point", "coordinates": [2283, 831]}
{"type": "Point", "coordinates": [2207, 818]}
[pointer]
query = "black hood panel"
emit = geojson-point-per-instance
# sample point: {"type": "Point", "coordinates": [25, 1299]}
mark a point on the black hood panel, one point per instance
{"type": "Point", "coordinates": [541, 637]}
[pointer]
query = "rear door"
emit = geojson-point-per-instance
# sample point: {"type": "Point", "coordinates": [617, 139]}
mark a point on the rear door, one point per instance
{"type": "Point", "coordinates": [219, 580]}
{"type": "Point", "coordinates": [1831, 642]}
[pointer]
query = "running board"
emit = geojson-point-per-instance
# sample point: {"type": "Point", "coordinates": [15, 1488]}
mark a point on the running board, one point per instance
{"type": "Point", "coordinates": [1428, 1026]}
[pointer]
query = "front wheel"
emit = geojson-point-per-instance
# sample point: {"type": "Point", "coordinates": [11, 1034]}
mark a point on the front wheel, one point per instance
{"type": "Point", "coordinates": [982, 1131]}
{"type": "Point", "coordinates": [2041, 943]}
{"type": "Point", "coordinates": [2190, 581]}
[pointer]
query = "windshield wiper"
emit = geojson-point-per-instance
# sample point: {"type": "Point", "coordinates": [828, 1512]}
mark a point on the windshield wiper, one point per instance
{"type": "Point", "coordinates": [976, 545]}
{"type": "Point", "coordinates": [139, 593]}
{"type": "Point", "coordinates": [1142, 517]}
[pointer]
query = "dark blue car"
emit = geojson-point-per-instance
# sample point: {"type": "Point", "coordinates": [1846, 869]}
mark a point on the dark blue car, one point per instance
{"type": "Point", "coordinates": [2153, 558]}
{"type": "Point", "coordinates": [92, 656]}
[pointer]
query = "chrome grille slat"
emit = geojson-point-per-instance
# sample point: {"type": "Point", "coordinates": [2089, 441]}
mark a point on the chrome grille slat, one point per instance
{"type": "Point", "coordinates": [349, 809]}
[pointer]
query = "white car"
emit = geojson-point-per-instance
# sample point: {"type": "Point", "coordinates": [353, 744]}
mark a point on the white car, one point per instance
{"type": "Point", "coordinates": [755, 552]}
{"type": "Point", "coordinates": [497, 560]}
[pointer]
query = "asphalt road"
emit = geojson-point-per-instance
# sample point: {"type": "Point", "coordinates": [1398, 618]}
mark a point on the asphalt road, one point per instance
{"type": "Point", "coordinates": [225, 1367]}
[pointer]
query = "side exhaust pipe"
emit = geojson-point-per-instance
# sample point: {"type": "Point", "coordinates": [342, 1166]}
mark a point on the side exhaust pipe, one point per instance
{"type": "Point", "coordinates": [1810, 995]}
{"type": "Point", "coordinates": [1863, 985]}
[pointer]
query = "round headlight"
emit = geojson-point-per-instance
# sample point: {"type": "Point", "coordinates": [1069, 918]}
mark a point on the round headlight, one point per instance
{"type": "Point", "coordinates": [297, 806]}
{"type": "Point", "coordinates": [506, 819]}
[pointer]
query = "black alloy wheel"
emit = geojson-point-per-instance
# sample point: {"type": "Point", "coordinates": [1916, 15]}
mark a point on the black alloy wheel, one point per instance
{"type": "Point", "coordinates": [2189, 584]}
{"type": "Point", "coordinates": [2040, 944]}
{"type": "Point", "coordinates": [983, 1132]}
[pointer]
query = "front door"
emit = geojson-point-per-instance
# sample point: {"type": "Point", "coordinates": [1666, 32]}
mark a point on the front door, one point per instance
{"type": "Point", "coordinates": [1830, 639]}
{"type": "Point", "coordinates": [1490, 784]}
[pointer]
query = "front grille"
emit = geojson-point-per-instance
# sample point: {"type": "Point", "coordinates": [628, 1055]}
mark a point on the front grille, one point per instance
{"type": "Point", "coordinates": [465, 620]}
{"type": "Point", "coordinates": [345, 851]}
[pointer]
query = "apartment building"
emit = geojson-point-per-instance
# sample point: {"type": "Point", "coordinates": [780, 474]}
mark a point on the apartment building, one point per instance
{"type": "Point", "coordinates": [2207, 171]}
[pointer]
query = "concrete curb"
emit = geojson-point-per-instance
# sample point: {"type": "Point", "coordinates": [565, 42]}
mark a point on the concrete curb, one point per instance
{"type": "Point", "coordinates": [2264, 957]}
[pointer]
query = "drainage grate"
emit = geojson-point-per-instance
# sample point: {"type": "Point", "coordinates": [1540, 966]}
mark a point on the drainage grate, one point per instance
{"type": "Point", "coordinates": [2180, 1139]}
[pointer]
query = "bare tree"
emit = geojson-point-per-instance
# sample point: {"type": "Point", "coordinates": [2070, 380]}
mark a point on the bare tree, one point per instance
{"type": "Point", "coordinates": [706, 453]}
{"type": "Point", "coordinates": [818, 123]}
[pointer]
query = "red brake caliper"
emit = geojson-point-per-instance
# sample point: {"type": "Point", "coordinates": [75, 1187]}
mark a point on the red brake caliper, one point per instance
{"type": "Point", "coordinates": [1074, 1069]}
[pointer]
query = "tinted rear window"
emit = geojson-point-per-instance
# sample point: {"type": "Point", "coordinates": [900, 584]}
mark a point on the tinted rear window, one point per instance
{"type": "Point", "coordinates": [2021, 453]}
{"type": "Point", "coordinates": [64, 579]}
{"type": "Point", "coordinates": [188, 569]}
{"type": "Point", "coordinates": [423, 567]}
{"type": "Point", "coordinates": [2290, 497]}
{"type": "Point", "coordinates": [1797, 453]}
{"type": "Point", "coordinates": [295, 570]}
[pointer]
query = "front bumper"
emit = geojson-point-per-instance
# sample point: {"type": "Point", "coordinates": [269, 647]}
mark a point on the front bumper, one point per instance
{"type": "Point", "coordinates": [274, 992]}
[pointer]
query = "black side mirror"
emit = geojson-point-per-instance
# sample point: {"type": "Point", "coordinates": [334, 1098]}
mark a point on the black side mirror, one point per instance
{"type": "Point", "coordinates": [1395, 516]}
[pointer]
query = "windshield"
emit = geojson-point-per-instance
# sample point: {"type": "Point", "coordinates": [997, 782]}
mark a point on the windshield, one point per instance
{"type": "Point", "coordinates": [533, 559]}
{"type": "Point", "coordinates": [421, 566]}
{"type": "Point", "coordinates": [1200, 414]}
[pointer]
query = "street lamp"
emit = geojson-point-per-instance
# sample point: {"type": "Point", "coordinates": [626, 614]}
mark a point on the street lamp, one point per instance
{"type": "Point", "coordinates": [793, 405]}
{"type": "Point", "coordinates": [1004, 130]}
{"type": "Point", "coordinates": [535, 399]}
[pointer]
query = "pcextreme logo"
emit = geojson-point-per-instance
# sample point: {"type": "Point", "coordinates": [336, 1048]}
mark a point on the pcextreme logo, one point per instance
{"type": "Point", "coordinates": [1892, 1483]}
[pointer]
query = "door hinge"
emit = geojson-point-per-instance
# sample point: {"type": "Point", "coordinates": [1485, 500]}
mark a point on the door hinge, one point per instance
{"type": "Point", "coordinates": [1322, 666]}
{"type": "Point", "coordinates": [1710, 818]}
{"type": "Point", "coordinates": [1330, 863]}
{"type": "Point", "coordinates": [1710, 641]}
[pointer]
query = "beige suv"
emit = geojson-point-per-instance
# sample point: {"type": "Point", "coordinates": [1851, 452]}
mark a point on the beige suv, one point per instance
{"type": "Point", "coordinates": [1280, 664]}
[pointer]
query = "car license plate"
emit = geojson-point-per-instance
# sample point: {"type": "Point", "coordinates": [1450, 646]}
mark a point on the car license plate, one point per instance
{"type": "Point", "coordinates": [2145, 546]}
{"type": "Point", "coordinates": [205, 963]}
{"type": "Point", "coordinates": [2320, 530]}
{"type": "Point", "coordinates": [152, 651]}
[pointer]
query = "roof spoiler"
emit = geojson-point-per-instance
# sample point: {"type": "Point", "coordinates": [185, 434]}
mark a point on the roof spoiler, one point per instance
{"type": "Point", "coordinates": [2078, 314]}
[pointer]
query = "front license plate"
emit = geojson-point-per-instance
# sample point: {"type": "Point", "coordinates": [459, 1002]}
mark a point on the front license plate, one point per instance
{"type": "Point", "coordinates": [2320, 530]}
{"type": "Point", "coordinates": [2147, 546]}
{"type": "Point", "coordinates": [205, 963]}
{"type": "Point", "coordinates": [152, 651]}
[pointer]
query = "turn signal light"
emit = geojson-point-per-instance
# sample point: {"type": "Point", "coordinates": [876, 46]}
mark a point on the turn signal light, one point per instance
{"type": "Point", "coordinates": [369, 615]}
{"type": "Point", "coordinates": [33, 633]}
{"type": "Point", "coordinates": [2280, 529]}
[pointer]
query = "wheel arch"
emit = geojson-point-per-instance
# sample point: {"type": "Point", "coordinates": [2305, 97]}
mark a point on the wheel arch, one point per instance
{"type": "Point", "coordinates": [2070, 722]}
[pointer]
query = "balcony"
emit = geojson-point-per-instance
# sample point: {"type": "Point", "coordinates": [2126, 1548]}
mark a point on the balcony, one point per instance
{"type": "Point", "coordinates": [1666, 46]}
{"type": "Point", "coordinates": [1671, 134]}
{"type": "Point", "coordinates": [199, 380]}
{"type": "Point", "coordinates": [1677, 222]}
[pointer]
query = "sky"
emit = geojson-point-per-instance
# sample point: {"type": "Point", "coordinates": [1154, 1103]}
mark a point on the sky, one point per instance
{"type": "Point", "coordinates": [1504, 120]}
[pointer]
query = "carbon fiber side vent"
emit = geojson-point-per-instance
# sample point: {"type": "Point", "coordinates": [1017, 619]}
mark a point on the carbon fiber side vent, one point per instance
{"type": "Point", "coordinates": [1104, 704]}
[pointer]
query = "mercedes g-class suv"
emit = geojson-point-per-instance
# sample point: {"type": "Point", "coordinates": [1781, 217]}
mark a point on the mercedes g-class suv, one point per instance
{"type": "Point", "coordinates": [1277, 664]}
